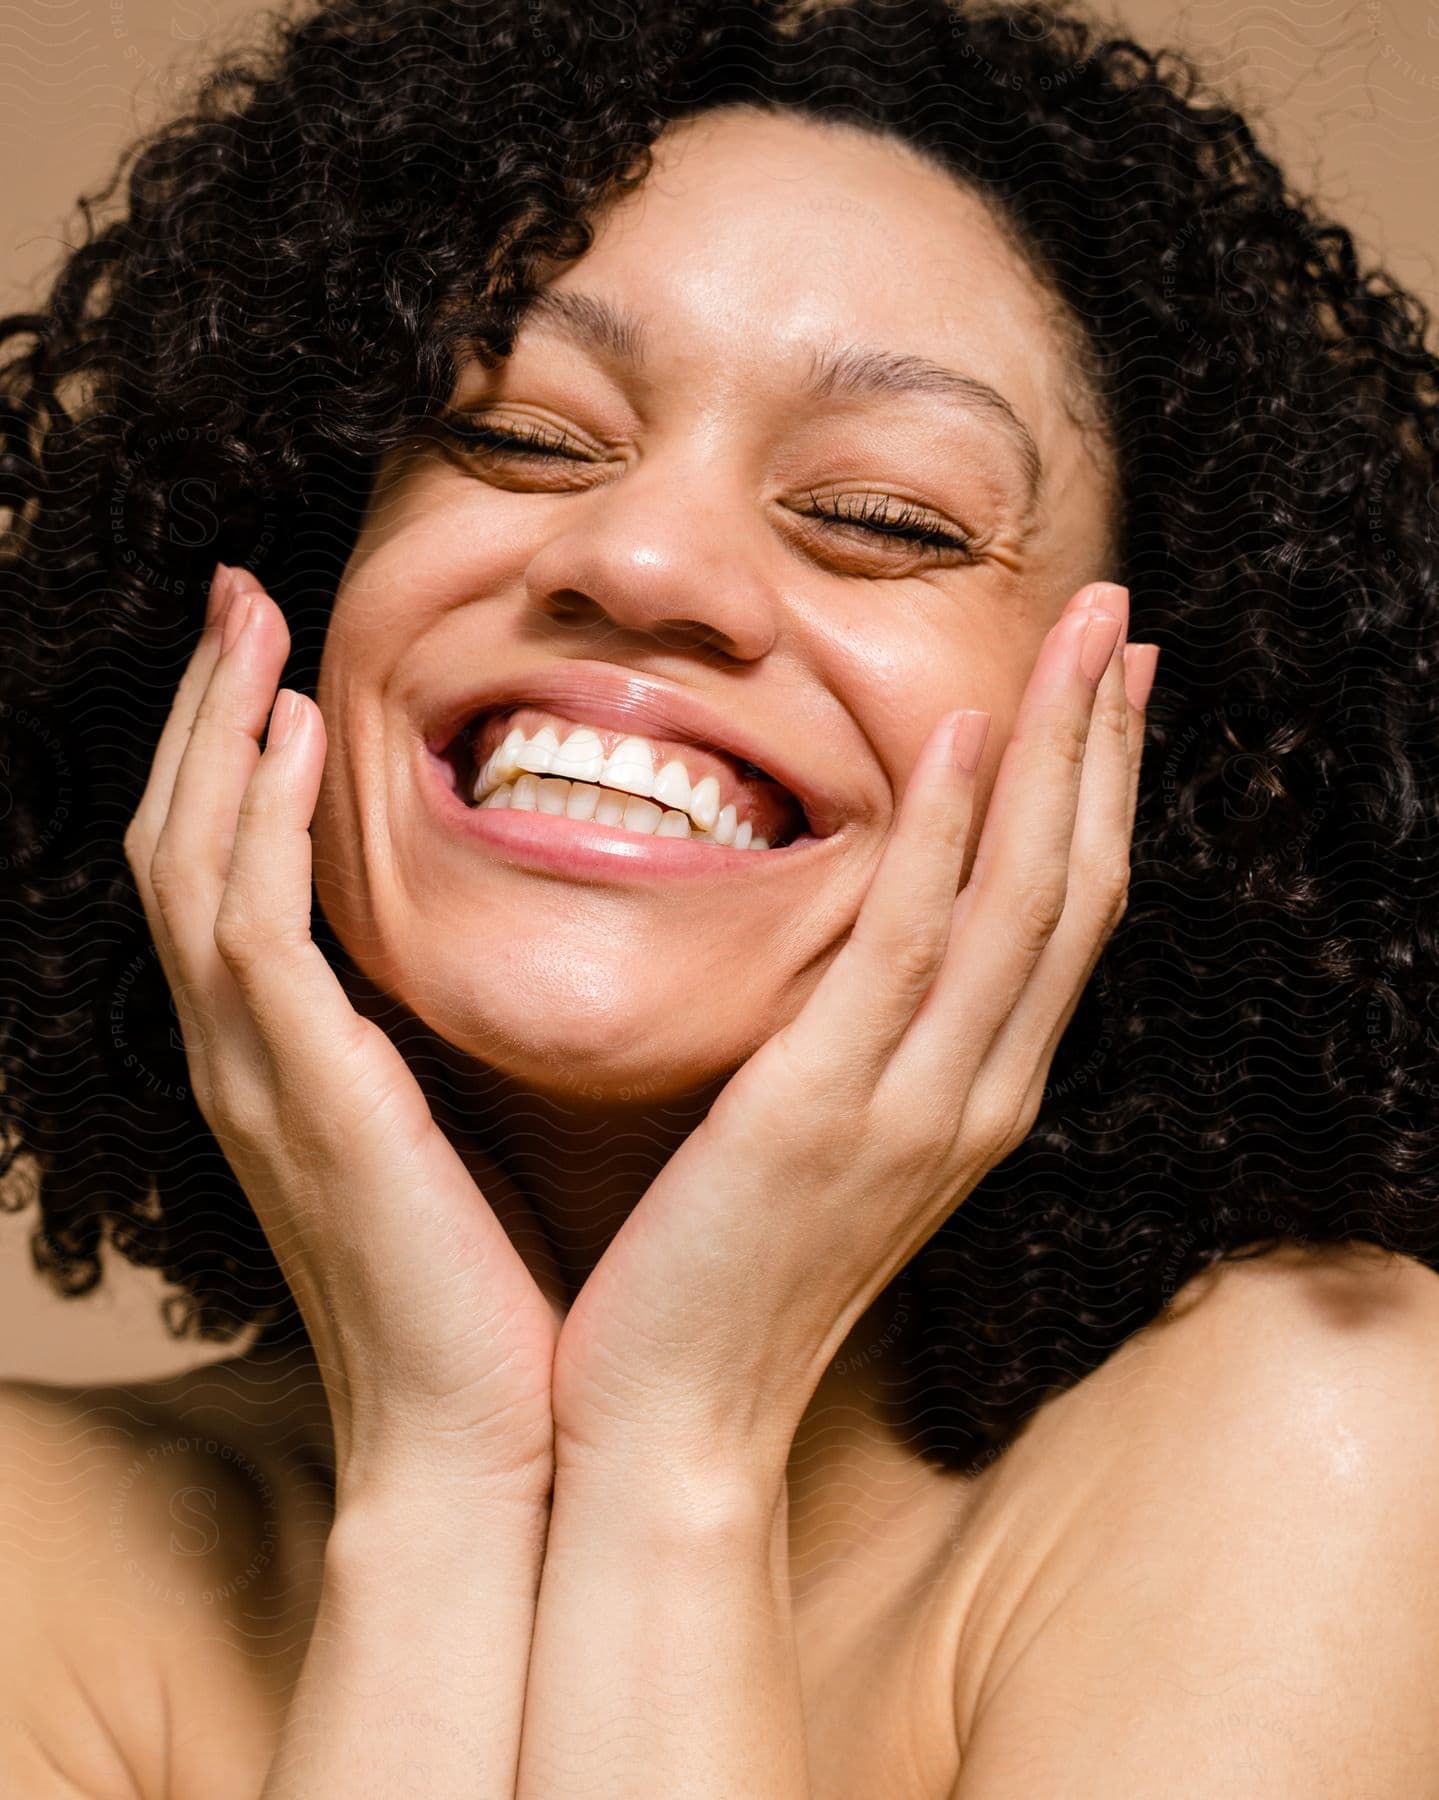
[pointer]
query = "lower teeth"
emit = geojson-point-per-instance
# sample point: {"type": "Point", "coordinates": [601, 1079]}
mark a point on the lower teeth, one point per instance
{"type": "Point", "coordinates": [610, 806]}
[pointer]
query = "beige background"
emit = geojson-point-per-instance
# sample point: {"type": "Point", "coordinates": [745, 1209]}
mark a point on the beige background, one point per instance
{"type": "Point", "coordinates": [1343, 93]}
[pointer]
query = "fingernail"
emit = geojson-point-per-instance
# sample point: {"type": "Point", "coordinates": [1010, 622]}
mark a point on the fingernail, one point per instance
{"type": "Point", "coordinates": [1140, 662]}
{"type": "Point", "coordinates": [967, 744]}
{"type": "Point", "coordinates": [1108, 594]}
{"type": "Point", "coordinates": [236, 619]}
{"type": "Point", "coordinates": [1097, 642]}
{"type": "Point", "coordinates": [222, 587]}
{"type": "Point", "coordinates": [284, 716]}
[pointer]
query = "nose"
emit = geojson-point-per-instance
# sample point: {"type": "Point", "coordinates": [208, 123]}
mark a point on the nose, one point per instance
{"type": "Point", "coordinates": [644, 558]}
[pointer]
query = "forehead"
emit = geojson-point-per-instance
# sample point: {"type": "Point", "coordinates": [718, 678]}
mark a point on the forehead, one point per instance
{"type": "Point", "coordinates": [759, 236]}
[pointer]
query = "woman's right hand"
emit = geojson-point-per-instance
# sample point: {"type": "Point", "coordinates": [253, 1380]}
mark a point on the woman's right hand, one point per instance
{"type": "Point", "coordinates": [434, 1339]}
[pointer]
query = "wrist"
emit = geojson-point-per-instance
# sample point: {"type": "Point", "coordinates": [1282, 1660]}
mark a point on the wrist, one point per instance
{"type": "Point", "coordinates": [739, 1426]}
{"type": "Point", "coordinates": [679, 1452]}
{"type": "Point", "coordinates": [663, 1493]}
{"type": "Point", "coordinates": [391, 1556]}
{"type": "Point", "coordinates": [393, 1467]}
{"type": "Point", "coordinates": [415, 1502]}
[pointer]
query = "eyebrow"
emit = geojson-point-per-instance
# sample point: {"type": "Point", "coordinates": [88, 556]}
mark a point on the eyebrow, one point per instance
{"type": "Point", "coordinates": [843, 371]}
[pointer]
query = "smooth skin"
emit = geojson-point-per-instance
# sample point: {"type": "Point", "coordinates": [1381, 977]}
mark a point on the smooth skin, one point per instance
{"type": "Point", "coordinates": [916, 1065]}
{"type": "Point", "coordinates": [583, 1471]}
{"type": "Point", "coordinates": [646, 1606]}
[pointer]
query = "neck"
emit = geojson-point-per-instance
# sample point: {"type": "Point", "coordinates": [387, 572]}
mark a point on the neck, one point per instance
{"type": "Point", "coordinates": [575, 1171]}
{"type": "Point", "coordinates": [563, 1171]}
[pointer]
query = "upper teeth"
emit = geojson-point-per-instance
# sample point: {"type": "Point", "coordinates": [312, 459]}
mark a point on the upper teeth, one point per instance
{"type": "Point", "coordinates": [630, 767]}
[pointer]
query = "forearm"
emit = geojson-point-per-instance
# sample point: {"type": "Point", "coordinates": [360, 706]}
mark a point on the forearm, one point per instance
{"type": "Point", "coordinates": [414, 1678]}
{"type": "Point", "coordinates": [664, 1658]}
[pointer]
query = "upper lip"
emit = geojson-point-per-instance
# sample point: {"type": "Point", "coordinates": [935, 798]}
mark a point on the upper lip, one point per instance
{"type": "Point", "coordinates": [620, 700]}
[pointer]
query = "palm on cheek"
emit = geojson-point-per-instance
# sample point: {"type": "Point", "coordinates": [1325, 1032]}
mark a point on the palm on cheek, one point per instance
{"type": "Point", "coordinates": [917, 1065]}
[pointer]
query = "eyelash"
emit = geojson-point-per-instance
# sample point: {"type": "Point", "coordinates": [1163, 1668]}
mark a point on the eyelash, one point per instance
{"type": "Point", "coordinates": [909, 525]}
{"type": "Point", "coordinates": [895, 525]}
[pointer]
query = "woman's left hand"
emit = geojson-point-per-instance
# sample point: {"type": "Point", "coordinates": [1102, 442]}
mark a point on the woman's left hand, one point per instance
{"type": "Point", "coordinates": [916, 1065]}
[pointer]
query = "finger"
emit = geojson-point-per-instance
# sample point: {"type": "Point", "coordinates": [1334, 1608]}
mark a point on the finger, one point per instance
{"type": "Point", "coordinates": [155, 801]}
{"type": "Point", "coordinates": [1097, 880]}
{"type": "Point", "coordinates": [1018, 1060]}
{"type": "Point", "coordinates": [145, 826]}
{"type": "Point", "coordinates": [262, 925]}
{"type": "Point", "coordinates": [1012, 1055]}
{"type": "Point", "coordinates": [1140, 663]}
{"type": "Point", "coordinates": [350, 1095]}
{"type": "Point", "coordinates": [856, 1015]}
{"type": "Point", "coordinates": [192, 854]}
{"type": "Point", "coordinates": [1018, 887]}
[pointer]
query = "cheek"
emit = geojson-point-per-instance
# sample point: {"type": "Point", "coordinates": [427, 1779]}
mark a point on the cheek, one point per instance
{"type": "Point", "coordinates": [349, 831]}
{"type": "Point", "coordinates": [900, 692]}
{"type": "Point", "coordinates": [982, 661]}
{"type": "Point", "coordinates": [433, 535]}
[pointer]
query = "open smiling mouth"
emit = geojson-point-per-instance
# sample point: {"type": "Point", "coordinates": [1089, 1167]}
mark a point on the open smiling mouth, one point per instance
{"type": "Point", "coordinates": [529, 759]}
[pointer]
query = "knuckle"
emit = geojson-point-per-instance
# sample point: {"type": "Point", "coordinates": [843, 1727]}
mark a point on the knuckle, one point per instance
{"type": "Point", "coordinates": [914, 1156]}
{"type": "Point", "coordinates": [199, 1018]}
{"type": "Point", "coordinates": [1020, 1126]}
{"type": "Point", "coordinates": [915, 959]}
{"type": "Point", "coordinates": [171, 881]}
{"type": "Point", "coordinates": [1069, 736]}
{"type": "Point", "coordinates": [224, 1101]}
{"type": "Point", "coordinates": [1111, 703]}
{"type": "Point", "coordinates": [1037, 911]}
{"type": "Point", "coordinates": [138, 847]}
{"type": "Point", "coordinates": [238, 934]}
{"type": "Point", "coordinates": [212, 713]}
{"type": "Point", "coordinates": [261, 957]}
{"type": "Point", "coordinates": [256, 803]}
{"type": "Point", "coordinates": [893, 1129]}
{"type": "Point", "coordinates": [1107, 878]}
{"type": "Point", "coordinates": [998, 1126]}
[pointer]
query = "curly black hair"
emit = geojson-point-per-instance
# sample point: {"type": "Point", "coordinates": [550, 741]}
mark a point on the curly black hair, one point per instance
{"type": "Point", "coordinates": [280, 300]}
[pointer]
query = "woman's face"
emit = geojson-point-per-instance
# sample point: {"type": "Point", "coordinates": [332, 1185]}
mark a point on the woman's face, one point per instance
{"type": "Point", "coordinates": [681, 572]}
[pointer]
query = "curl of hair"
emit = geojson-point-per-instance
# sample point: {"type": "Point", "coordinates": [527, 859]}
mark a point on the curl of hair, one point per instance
{"type": "Point", "coordinates": [279, 300]}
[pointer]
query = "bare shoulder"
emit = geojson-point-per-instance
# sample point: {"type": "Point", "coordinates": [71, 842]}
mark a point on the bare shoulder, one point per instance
{"type": "Point", "coordinates": [1221, 1567]}
{"type": "Point", "coordinates": [154, 1561]}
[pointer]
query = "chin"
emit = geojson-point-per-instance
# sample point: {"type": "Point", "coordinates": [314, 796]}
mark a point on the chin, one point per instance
{"type": "Point", "coordinates": [554, 1017]}
{"type": "Point", "coordinates": [613, 1060]}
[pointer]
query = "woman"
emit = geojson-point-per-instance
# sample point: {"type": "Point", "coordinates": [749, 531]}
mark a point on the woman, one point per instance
{"type": "Point", "coordinates": [694, 502]}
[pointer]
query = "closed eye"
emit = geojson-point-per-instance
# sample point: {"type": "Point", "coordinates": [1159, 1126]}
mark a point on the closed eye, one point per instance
{"type": "Point", "coordinates": [531, 441]}
{"type": "Point", "coordinates": [910, 525]}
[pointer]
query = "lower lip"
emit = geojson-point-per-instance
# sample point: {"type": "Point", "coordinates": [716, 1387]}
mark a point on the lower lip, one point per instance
{"type": "Point", "coordinates": [579, 847]}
